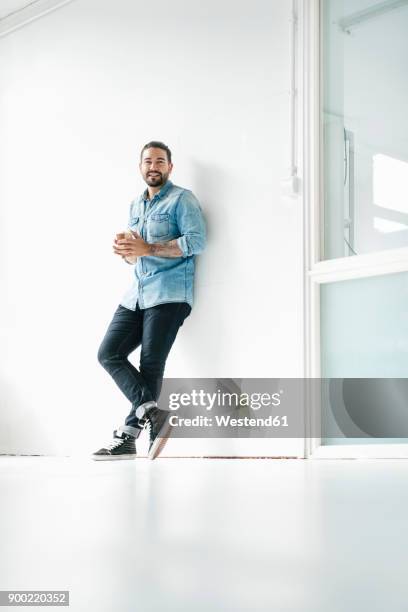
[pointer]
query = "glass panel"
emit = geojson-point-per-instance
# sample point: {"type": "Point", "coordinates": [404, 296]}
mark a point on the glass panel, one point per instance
{"type": "Point", "coordinates": [364, 334]}
{"type": "Point", "coordinates": [365, 97]}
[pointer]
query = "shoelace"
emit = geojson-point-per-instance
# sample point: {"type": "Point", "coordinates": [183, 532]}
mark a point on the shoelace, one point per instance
{"type": "Point", "coordinates": [115, 444]}
{"type": "Point", "coordinates": [148, 427]}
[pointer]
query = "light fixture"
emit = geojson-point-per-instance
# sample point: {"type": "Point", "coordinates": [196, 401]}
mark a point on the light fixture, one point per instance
{"type": "Point", "coordinates": [347, 23]}
{"type": "Point", "coordinates": [28, 13]}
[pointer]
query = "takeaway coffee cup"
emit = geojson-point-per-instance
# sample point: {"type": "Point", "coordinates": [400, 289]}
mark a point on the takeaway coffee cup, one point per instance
{"type": "Point", "coordinates": [123, 235]}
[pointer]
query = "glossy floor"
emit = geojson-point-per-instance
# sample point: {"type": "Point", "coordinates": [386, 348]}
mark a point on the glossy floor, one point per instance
{"type": "Point", "coordinates": [207, 535]}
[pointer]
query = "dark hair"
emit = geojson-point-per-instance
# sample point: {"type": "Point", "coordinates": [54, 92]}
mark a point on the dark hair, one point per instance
{"type": "Point", "coordinates": [157, 145]}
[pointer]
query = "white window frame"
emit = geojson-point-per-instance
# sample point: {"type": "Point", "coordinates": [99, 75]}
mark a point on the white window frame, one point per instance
{"type": "Point", "coordinates": [33, 10]}
{"type": "Point", "coordinates": [319, 272]}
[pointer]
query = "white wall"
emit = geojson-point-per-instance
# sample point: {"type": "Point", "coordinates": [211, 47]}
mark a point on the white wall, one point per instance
{"type": "Point", "coordinates": [81, 91]}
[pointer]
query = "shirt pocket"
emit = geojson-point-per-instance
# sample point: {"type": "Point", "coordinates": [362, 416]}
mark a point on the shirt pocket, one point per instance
{"type": "Point", "coordinates": [159, 225]}
{"type": "Point", "coordinates": [134, 223]}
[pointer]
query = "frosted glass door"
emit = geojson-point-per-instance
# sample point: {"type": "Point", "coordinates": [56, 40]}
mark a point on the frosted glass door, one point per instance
{"type": "Point", "coordinates": [365, 101]}
{"type": "Point", "coordinates": [364, 334]}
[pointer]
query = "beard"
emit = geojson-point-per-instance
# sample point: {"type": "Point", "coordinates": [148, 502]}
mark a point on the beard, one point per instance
{"type": "Point", "coordinates": [157, 180]}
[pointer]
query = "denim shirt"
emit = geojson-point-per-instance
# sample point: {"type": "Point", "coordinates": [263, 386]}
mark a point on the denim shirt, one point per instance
{"type": "Point", "coordinates": [173, 213]}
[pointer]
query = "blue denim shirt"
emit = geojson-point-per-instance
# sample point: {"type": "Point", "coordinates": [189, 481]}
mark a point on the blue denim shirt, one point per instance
{"type": "Point", "coordinates": [173, 213]}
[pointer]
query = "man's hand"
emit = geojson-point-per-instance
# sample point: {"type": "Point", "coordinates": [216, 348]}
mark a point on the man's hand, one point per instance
{"type": "Point", "coordinates": [130, 245]}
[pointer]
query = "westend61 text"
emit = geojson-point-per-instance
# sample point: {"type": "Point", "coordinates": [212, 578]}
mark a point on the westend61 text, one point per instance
{"type": "Point", "coordinates": [227, 421]}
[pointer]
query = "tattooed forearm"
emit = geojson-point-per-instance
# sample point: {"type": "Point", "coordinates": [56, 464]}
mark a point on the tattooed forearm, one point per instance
{"type": "Point", "coordinates": [165, 249]}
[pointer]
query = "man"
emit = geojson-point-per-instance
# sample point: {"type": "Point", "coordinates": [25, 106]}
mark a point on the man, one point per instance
{"type": "Point", "coordinates": [167, 231]}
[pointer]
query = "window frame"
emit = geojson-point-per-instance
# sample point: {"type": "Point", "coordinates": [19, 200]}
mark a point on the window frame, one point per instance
{"type": "Point", "coordinates": [27, 14]}
{"type": "Point", "coordinates": [317, 271]}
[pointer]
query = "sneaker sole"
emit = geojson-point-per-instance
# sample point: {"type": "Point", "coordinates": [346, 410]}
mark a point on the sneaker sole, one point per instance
{"type": "Point", "coordinates": [112, 457]}
{"type": "Point", "coordinates": [160, 441]}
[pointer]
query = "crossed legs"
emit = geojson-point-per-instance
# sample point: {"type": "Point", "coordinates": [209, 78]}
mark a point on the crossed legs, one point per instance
{"type": "Point", "coordinates": [155, 329]}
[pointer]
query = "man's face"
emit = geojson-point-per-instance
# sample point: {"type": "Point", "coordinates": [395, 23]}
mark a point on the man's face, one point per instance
{"type": "Point", "coordinates": [155, 167]}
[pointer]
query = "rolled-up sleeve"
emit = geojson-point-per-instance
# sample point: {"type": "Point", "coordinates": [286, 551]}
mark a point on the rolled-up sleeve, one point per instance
{"type": "Point", "coordinates": [191, 225]}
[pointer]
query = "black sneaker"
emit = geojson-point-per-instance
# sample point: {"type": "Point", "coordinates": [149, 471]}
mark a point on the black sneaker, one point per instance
{"type": "Point", "coordinates": [157, 424]}
{"type": "Point", "coordinates": [123, 446]}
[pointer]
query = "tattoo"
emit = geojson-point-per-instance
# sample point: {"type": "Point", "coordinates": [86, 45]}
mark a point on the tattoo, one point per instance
{"type": "Point", "coordinates": [165, 249]}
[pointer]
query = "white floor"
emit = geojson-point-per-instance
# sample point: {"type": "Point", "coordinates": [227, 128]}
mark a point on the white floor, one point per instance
{"type": "Point", "coordinates": [200, 535]}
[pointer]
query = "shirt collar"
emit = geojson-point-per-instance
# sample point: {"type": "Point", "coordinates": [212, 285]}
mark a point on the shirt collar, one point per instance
{"type": "Point", "coordinates": [160, 194]}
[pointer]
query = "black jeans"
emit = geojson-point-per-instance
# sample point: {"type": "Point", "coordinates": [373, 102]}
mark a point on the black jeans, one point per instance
{"type": "Point", "coordinates": [155, 329]}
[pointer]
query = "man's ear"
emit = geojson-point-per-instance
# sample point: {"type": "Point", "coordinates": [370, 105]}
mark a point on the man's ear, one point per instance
{"type": "Point", "coordinates": [170, 168]}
